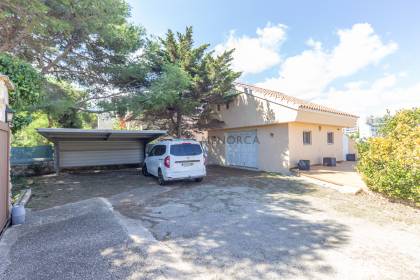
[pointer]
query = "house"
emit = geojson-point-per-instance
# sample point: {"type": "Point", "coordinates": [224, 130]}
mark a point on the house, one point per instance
{"type": "Point", "coordinates": [105, 121]}
{"type": "Point", "coordinates": [267, 130]}
{"type": "Point", "coordinates": [5, 118]}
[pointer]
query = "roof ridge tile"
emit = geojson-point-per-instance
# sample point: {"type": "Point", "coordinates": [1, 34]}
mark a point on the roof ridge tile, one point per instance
{"type": "Point", "coordinates": [302, 103]}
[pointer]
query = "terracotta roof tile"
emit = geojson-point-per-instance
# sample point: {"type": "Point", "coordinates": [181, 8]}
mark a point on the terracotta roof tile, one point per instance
{"type": "Point", "coordinates": [302, 104]}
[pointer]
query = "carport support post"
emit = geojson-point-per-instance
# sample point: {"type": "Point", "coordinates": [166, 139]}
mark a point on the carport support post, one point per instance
{"type": "Point", "coordinates": [57, 157]}
{"type": "Point", "coordinates": [145, 142]}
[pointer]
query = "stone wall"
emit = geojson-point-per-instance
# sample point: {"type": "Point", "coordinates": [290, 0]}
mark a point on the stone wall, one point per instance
{"type": "Point", "coordinates": [33, 169]}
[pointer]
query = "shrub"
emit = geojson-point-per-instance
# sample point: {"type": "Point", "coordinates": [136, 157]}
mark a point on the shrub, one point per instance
{"type": "Point", "coordinates": [390, 164]}
{"type": "Point", "coordinates": [27, 81]}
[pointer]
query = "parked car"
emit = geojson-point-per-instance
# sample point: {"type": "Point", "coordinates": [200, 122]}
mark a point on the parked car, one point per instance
{"type": "Point", "coordinates": [175, 159]}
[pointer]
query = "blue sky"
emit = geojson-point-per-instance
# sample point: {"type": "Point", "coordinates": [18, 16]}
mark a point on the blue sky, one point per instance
{"type": "Point", "coordinates": [363, 56]}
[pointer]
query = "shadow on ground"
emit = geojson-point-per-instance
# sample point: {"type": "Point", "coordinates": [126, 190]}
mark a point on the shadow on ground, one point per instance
{"type": "Point", "coordinates": [236, 224]}
{"type": "Point", "coordinates": [239, 231]}
{"type": "Point", "coordinates": [53, 190]}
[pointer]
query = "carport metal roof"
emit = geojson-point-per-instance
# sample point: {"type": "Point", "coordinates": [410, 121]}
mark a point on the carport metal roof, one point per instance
{"type": "Point", "coordinates": [58, 134]}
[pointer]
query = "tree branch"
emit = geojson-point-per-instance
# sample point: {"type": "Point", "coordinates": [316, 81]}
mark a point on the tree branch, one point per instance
{"type": "Point", "coordinates": [65, 52]}
{"type": "Point", "coordinates": [9, 44]}
{"type": "Point", "coordinates": [90, 110]}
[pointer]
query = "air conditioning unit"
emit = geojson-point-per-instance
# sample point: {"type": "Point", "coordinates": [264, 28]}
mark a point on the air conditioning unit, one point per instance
{"type": "Point", "coordinates": [329, 161]}
{"type": "Point", "coordinates": [351, 157]}
{"type": "Point", "coordinates": [304, 164]}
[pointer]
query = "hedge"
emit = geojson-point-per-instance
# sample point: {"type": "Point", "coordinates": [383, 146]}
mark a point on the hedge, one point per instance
{"type": "Point", "coordinates": [390, 164]}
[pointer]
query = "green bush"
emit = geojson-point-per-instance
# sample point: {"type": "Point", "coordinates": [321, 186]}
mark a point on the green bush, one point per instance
{"type": "Point", "coordinates": [390, 164]}
{"type": "Point", "coordinates": [27, 81]}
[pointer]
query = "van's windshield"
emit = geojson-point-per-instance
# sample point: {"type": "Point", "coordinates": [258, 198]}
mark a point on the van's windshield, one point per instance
{"type": "Point", "coordinates": [186, 149]}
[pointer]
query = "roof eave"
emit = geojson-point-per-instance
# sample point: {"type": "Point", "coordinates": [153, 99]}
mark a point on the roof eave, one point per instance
{"type": "Point", "coordinates": [294, 100]}
{"type": "Point", "coordinates": [57, 133]}
{"type": "Point", "coordinates": [343, 114]}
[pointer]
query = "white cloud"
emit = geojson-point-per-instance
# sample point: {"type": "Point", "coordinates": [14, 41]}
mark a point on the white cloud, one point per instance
{"type": "Point", "coordinates": [386, 82]}
{"type": "Point", "coordinates": [255, 54]}
{"type": "Point", "coordinates": [309, 73]}
{"type": "Point", "coordinates": [373, 98]}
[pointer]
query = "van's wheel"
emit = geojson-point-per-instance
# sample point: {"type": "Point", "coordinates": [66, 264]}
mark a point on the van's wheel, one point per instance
{"type": "Point", "coordinates": [198, 180]}
{"type": "Point", "coordinates": [161, 180]}
{"type": "Point", "coordinates": [144, 171]}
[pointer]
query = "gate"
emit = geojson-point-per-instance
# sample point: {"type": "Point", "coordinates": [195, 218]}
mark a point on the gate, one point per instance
{"type": "Point", "coordinates": [4, 174]}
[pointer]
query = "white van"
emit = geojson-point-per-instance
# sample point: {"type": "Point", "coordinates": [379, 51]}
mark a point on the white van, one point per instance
{"type": "Point", "coordinates": [175, 159]}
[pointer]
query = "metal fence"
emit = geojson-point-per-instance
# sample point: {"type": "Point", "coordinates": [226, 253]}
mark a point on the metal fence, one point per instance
{"type": "Point", "coordinates": [28, 155]}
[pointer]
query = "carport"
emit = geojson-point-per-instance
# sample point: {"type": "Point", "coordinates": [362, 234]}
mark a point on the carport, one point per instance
{"type": "Point", "coordinates": [93, 147]}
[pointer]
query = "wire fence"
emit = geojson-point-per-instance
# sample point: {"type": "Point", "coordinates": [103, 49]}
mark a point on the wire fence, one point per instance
{"type": "Point", "coordinates": [28, 155]}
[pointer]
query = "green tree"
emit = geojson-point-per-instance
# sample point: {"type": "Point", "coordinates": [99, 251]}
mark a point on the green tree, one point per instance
{"type": "Point", "coordinates": [57, 108]}
{"type": "Point", "coordinates": [28, 136]}
{"type": "Point", "coordinates": [85, 41]}
{"type": "Point", "coordinates": [182, 82]}
{"type": "Point", "coordinates": [167, 97]}
{"type": "Point", "coordinates": [28, 87]}
{"type": "Point", "coordinates": [59, 101]}
{"type": "Point", "coordinates": [390, 164]}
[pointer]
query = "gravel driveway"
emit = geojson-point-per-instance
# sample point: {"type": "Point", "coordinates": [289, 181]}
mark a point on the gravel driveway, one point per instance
{"type": "Point", "coordinates": [235, 225]}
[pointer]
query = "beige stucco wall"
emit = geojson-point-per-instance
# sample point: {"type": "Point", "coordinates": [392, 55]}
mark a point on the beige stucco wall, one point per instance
{"type": "Point", "coordinates": [287, 121]}
{"type": "Point", "coordinates": [352, 146]}
{"type": "Point", "coordinates": [4, 100]}
{"type": "Point", "coordinates": [317, 117]}
{"type": "Point", "coordinates": [281, 145]}
{"type": "Point", "coordinates": [261, 109]}
{"type": "Point", "coordinates": [246, 110]}
{"type": "Point", "coordinates": [273, 152]}
{"type": "Point", "coordinates": [215, 147]}
{"type": "Point", "coordinates": [319, 147]}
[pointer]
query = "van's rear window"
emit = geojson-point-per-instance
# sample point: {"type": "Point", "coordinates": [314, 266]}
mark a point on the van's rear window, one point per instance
{"type": "Point", "coordinates": [186, 149]}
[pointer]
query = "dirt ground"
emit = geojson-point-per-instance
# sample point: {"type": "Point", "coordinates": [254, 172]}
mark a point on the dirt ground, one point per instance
{"type": "Point", "coordinates": [236, 224]}
{"type": "Point", "coordinates": [52, 190]}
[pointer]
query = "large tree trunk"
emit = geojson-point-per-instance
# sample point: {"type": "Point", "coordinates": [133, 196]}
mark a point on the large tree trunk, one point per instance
{"type": "Point", "coordinates": [178, 125]}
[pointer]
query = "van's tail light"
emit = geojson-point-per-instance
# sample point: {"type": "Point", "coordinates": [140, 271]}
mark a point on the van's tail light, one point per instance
{"type": "Point", "coordinates": [205, 160]}
{"type": "Point", "coordinates": [167, 162]}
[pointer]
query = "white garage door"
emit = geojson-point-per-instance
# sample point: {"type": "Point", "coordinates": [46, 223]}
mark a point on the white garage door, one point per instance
{"type": "Point", "coordinates": [95, 153]}
{"type": "Point", "coordinates": [242, 149]}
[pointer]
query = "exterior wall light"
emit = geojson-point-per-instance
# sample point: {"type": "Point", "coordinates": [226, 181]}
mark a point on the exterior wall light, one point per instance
{"type": "Point", "coordinates": [9, 115]}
